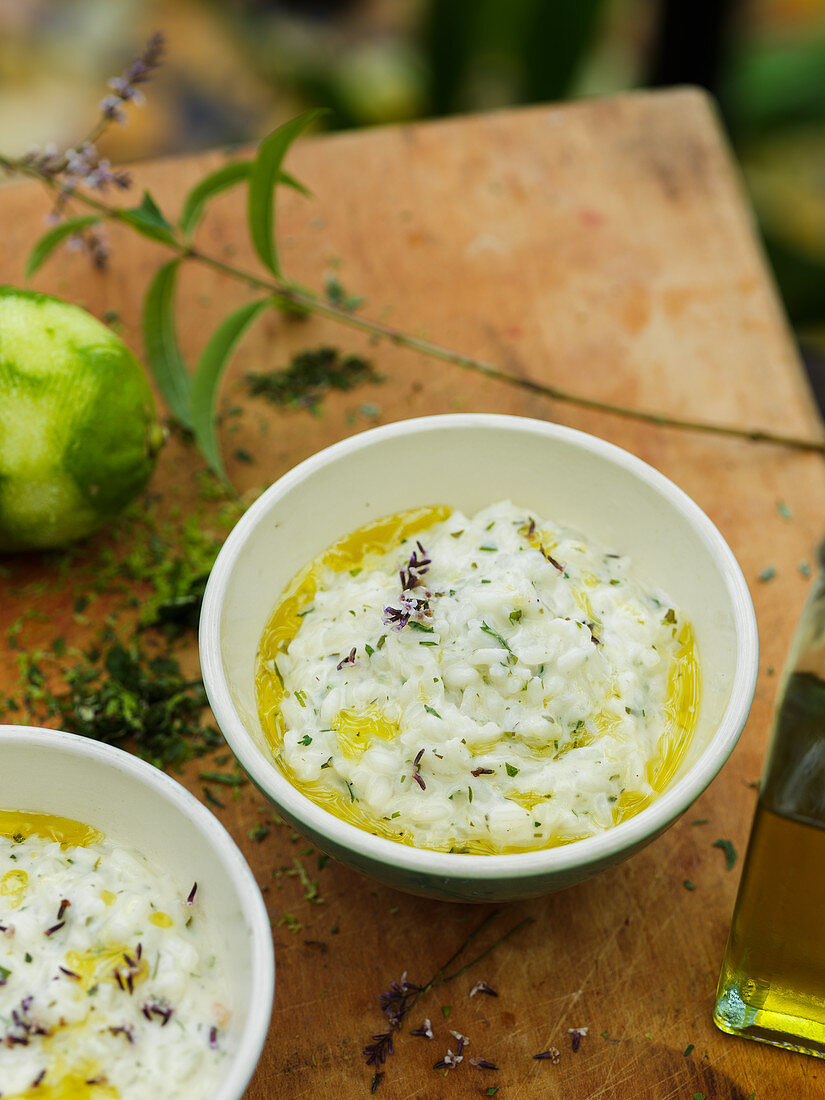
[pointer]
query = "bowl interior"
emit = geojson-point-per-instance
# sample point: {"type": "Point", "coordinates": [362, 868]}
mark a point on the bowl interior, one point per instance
{"type": "Point", "coordinates": [139, 807]}
{"type": "Point", "coordinates": [469, 462]}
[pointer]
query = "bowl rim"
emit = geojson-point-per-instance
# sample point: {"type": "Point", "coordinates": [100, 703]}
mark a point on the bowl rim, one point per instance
{"type": "Point", "coordinates": [545, 861]}
{"type": "Point", "coordinates": [245, 1058]}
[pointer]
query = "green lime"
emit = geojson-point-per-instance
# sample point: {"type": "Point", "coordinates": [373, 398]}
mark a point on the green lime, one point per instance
{"type": "Point", "coordinates": [79, 434]}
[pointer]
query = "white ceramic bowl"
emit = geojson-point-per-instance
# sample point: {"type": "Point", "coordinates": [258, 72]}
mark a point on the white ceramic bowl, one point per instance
{"type": "Point", "coordinates": [140, 807]}
{"type": "Point", "coordinates": [469, 461]}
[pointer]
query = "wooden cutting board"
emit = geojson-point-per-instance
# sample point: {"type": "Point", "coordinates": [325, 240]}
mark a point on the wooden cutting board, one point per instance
{"type": "Point", "coordinates": [604, 247]}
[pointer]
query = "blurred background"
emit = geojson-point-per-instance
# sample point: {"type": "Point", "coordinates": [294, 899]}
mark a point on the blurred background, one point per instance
{"type": "Point", "coordinates": [240, 67]}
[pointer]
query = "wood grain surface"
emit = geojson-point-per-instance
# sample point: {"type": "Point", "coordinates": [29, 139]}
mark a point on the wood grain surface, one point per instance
{"type": "Point", "coordinates": [604, 247]}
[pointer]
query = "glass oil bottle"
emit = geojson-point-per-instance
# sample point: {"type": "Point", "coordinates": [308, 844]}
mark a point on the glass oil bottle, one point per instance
{"type": "Point", "coordinates": [772, 985]}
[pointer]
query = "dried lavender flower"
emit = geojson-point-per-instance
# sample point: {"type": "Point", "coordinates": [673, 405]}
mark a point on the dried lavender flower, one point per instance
{"type": "Point", "coordinates": [552, 1054]}
{"type": "Point", "coordinates": [482, 1063]}
{"type": "Point", "coordinates": [348, 660]}
{"type": "Point", "coordinates": [576, 1035]}
{"type": "Point", "coordinates": [482, 987]}
{"type": "Point", "coordinates": [425, 1031]}
{"type": "Point", "coordinates": [412, 607]}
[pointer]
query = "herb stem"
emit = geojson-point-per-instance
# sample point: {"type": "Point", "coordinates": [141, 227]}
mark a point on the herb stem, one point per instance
{"type": "Point", "coordinates": [306, 301]}
{"type": "Point", "coordinates": [467, 966]}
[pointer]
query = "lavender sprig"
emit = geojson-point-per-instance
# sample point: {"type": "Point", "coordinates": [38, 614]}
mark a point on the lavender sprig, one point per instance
{"type": "Point", "coordinates": [83, 164]}
{"type": "Point", "coordinates": [125, 87]}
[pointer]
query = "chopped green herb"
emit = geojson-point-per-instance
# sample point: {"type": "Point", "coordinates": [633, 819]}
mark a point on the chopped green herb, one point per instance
{"type": "Point", "coordinates": [422, 642]}
{"type": "Point", "coordinates": [310, 375]}
{"type": "Point", "coordinates": [292, 923]}
{"type": "Point", "coordinates": [767, 574]}
{"type": "Point", "coordinates": [511, 771]}
{"type": "Point", "coordinates": [783, 509]}
{"type": "Point", "coordinates": [700, 821]}
{"type": "Point", "coordinates": [446, 1010]}
{"type": "Point", "coordinates": [431, 710]}
{"type": "Point", "coordinates": [688, 885]}
{"type": "Point", "coordinates": [351, 791]}
{"type": "Point", "coordinates": [515, 616]}
{"type": "Point", "coordinates": [328, 764]}
{"type": "Point", "coordinates": [369, 649]}
{"type": "Point", "coordinates": [489, 549]}
{"type": "Point", "coordinates": [259, 833]}
{"type": "Point", "coordinates": [804, 569]}
{"type": "Point", "coordinates": [27, 957]}
{"type": "Point", "coordinates": [420, 626]}
{"type": "Point", "coordinates": [224, 778]}
{"type": "Point", "coordinates": [310, 885]}
{"type": "Point", "coordinates": [4, 973]}
{"type": "Point", "coordinates": [211, 799]}
{"type": "Point", "coordinates": [302, 699]}
{"type": "Point", "coordinates": [396, 814]}
{"type": "Point", "coordinates": [689, 1050]}
{"type": "Point", "coordinates": [615, 580]}
{"type": "Point", "coordinates": [670, 616]}
{"type": "Point", "coordinates": [491, 1090]}
{"type": "Point", "coordinates": [380, 643]}
{"type": "Point", "coordinates": [306, 740]}
{"type": "Point", "coordinates": [308, 611]}
{"type": "Point", "coordinates": [729, 850]}
{"type": "Point", "coordinates": [501, 641]}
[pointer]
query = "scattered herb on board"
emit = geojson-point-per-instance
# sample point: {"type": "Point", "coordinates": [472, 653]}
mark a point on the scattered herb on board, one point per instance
{"type": "Point", "coordinates": [766, 574]}
{"type": "Point", "coordinates": [226, 779]}
{"type": "Point", "coordinates": [212, 799]}
{"type": "Point", "coordinates": [401, 997]}
{"type": "Point", "coordinates": [688, 885]}
{"type": "Point", "coordinates": [124, 693]}
{"type": "Point", "coordinates": [310, 376]}
{"type": "Point", "coordinates": [689, 1050]}
{"type": "Point", "coordinates": [783, 509]}
{"type": "Point", "coordinates": [729, 850]}
{"type": "Point", "coordinates": [804, 569]}
{"type": "Point", "coordinates": [310, 885]}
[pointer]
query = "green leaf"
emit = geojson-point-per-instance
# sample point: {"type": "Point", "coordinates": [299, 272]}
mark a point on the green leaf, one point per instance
{"type": "Point", "coordinates": [148, 220]}
{"type": "Point", "coordinates": [208, 374]}
{"type": "Point", "coordinates": [265, 174]}
{"type": "Point", "coordinates": [161, 343]}
{"type": "Point", "coordinates": [44, 247]}
{"type": "Point", "coordinates": [211, 185]}
{"type": "Point", "coordinates": [221, 180]}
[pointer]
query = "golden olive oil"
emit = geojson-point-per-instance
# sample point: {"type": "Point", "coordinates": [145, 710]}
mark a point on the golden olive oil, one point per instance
{"type": "Point", "coordinates": [22, 823]}
{"type": "Point", "coordinates": [356, 731]}
{"type": "Point", "coordinates": [772, 985]}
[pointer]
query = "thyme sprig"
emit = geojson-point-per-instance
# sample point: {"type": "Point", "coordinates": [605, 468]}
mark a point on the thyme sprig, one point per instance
{"type": "Point", "coordinates": [399, 1000]}
{"type": "Point", "coordinates": [192, 401]}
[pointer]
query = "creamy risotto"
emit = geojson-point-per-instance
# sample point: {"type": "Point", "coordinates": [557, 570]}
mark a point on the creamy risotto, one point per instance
{"type": "Point", "coordinates": [108, 984]}
{"type": "Point", "coordinates": [489, 684]}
